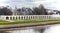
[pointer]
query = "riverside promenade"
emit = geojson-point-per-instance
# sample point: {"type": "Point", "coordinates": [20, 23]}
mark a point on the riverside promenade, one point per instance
{"type": "Point", "coordinates": [20, 26]}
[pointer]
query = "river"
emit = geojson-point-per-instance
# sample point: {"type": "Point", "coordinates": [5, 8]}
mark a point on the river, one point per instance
{"type": "Point", "coordinates": [50, 29]}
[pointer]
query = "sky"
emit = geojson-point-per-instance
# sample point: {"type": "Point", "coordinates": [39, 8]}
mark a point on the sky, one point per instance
{"type": "Point", "coordinates": [49, 4]}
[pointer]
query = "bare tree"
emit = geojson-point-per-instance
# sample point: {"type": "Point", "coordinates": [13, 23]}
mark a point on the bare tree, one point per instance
{"type": "Point", "coordinates": [42, 10]}
{"type": "Point", "coordinates": [36, 11]}
{"type": "Point", "coordinates": [5, 11]}
{"type": "Point", "coordinates": [24, 11]}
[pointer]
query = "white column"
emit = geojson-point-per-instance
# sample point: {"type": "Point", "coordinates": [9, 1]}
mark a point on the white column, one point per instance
{"type": "Point", "coordinates": [28, 18]}
{"type": "Point", "coordinates": [47, 17]}
{"type": "Point", "coordinates": [23, 17]}
{"type": "Point", "coordinates": [37, 16]}
{"type": "Point", "coordinates": [4, 17]}
{"type": "Point", "coordinates": [43, 16]}
{"type": "Point", "coordinates": [20, 17]}
{"type": "Point", "coordinates": [15, 17]}
{"type": "Point", "coordinates": [32, 17]}
{"type": "Point", "coordinates": [12, 17]}
{"type": "Point", "coordinates": [9, 17]}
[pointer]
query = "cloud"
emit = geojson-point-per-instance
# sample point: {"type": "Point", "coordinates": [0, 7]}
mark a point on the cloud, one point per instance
{"type": "Point", "coordinates": [51, 4]}
{"type": "Point", "coordinates": [20, 3]}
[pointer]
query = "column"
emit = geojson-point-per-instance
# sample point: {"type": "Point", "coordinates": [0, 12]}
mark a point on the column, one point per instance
{"type": "Point", "coordinates": [4, 17]}
{"type": "Point", "coordinates": [20, 17]}
{"type": "Point", "coordinates": [12, 17]}
{"type": "Point", "coordinates": [32, 17]}
{"type": "Point", "coordinates": [28, 17]}
{"type": "Point", "coordinates": [9, 17]}
{"type": "Point", "coordinates": [23, 17]}
{"type": "Point", "coordinates": [15, 17]}
{"type": "Point", "coordinates": [38, 17]}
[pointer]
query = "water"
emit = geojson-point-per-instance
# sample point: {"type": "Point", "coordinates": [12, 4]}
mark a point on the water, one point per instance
{"type": "Point", "coordinates": [51, 29]}
{"type": "Point", "coordinates": [22, 31]}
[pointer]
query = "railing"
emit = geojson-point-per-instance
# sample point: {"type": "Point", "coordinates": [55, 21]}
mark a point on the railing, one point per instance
{"type": "Point", "coordinates": [27, 17]}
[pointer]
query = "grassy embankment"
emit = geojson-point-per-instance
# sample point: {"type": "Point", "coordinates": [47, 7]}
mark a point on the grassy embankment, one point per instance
{"type": "Point", "coordinates": [3, 22]}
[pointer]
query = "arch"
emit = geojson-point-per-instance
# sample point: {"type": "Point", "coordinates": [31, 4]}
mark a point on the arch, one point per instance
{"type": "Point", "coordinates": [7, 18]}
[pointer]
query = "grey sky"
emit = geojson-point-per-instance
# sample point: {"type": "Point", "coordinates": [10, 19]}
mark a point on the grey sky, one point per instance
{"type": "Point", "coordinates": [50, 4]}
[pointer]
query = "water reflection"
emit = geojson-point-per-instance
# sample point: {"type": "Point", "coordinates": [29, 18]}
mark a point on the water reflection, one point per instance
{"type": "Point", "coordinates": [51, 29]}
{"type": "Point", "coordinates": [3, 32]}
{"type": "Point", "coordinates": [24, 31]}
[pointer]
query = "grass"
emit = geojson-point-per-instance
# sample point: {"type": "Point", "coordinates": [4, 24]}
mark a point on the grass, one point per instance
{"type": "Point", "coordinates": [3, 22]}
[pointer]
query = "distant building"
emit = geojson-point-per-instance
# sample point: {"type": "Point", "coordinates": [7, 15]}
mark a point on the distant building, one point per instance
{"type": "Point", "coordinates": [49, 12]}
{"type": "Point", "coordinates": [52, 12]}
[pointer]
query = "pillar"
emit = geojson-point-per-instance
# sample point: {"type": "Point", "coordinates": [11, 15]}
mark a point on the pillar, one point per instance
{"type": "Point", "coordinates": [23, 17]}
{"type": "Point", "coordinates": [20, 17]}
{"type": "Point", "coordinates": [27, 17]}
{"type": "Point", "coordinates": [12, 17]}
{"type": "Point", "coordinates": [9, 17]}
{"type": "Point", "coordinates": [15, 17]}
{"type": "Point", "coordinates": [30, 17]}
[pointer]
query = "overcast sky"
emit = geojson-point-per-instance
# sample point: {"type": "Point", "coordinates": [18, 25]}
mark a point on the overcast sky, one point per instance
{"type": "Point", "coordinates": [50, 4]}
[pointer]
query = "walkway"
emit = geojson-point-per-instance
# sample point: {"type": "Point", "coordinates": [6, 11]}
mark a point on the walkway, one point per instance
{"type": "Point", "coordinates": [8, 27]}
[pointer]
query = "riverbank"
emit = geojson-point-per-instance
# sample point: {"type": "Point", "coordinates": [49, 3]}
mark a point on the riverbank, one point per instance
{"type": "Point", "coordinates": [28, 25]}
{"type": "Point", "coordinates": [4, 22]}
{"type": "Point", "coordinates": [41, 24]}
